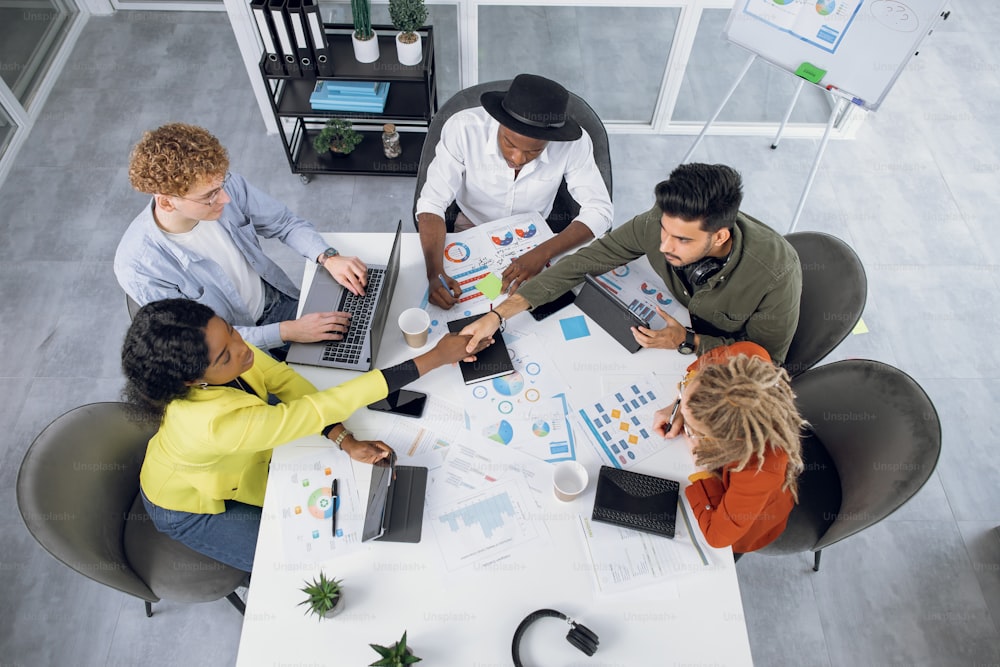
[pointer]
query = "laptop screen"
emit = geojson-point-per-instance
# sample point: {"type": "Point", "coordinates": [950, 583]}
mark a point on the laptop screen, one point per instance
{"type": "Point", "coordinates": [388, 289]}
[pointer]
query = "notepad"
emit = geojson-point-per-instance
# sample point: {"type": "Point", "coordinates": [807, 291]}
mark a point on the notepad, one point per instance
{"type": "Point", "coordinates": [492, 362]}
{"type": "Point", "coordinates": [634, 500]}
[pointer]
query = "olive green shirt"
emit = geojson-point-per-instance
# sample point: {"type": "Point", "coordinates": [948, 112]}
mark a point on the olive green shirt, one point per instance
{"type": "Point", "coordinates": [755, 297]}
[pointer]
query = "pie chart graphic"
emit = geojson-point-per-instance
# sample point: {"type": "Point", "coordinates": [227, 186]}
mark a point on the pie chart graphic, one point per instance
{"type": "Point", "coordinates": [321, 503]}
{"type": "Point", "coordinates": [526, 233]}
{"type": "Point", "coordinates": [457, 252]}
{"type": "Point", "coordinates": [507, 239]}
{"type": "Point", "coordinates": [825, 7]}
{"type": "Point", "coordinates": [509, 385]}
{"type": "Point", "coordinates": [501, 432]}
{"type": "Point", "coordinates": [541, 428]}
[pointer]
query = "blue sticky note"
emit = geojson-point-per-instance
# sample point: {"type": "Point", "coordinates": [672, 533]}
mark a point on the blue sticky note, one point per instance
{"type": "Point", "coordinates": [574, 327]}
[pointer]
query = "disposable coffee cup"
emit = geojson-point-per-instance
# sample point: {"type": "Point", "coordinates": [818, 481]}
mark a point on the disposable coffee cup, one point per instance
{"type": "Point", "coordinates": [415, 324]}
{"type": "Point", "coordinates": [569, 479]}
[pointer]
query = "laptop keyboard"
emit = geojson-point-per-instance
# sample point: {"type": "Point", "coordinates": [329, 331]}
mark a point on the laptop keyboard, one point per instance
{"type": "Point", "coordinates": [362, 308]}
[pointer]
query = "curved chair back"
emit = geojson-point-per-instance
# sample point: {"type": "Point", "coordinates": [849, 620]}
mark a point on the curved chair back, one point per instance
{"type": "Point", "coordinates": [467, 98]}
{"type": "Point", "coordinates": [77, 490]}
{"type": "Point", "coordinates": [834, 290]}
{"type": "Point", "coordinates": [876, 433]}
{"type": "Point", "coordinates": [131, 306]}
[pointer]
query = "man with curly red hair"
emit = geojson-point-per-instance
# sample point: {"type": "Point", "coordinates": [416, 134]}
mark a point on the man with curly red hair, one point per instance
{"type": "Point", "coordinates": [199, 238]}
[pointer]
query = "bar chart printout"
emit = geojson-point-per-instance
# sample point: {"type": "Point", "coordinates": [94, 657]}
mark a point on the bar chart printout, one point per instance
{"type": "Point", "coordinates": [485, 526]}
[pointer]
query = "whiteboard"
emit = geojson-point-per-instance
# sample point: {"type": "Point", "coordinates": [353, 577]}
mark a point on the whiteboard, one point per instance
{"type": "Point", "coordinates": [862, 44]}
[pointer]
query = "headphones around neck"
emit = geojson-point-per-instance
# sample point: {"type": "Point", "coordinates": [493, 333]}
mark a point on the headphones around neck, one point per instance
{"type": "Point", "coordinates": [579, 635]}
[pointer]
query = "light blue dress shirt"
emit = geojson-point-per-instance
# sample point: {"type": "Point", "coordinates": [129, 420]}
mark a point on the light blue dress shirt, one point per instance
{"type": "Point", "coordinates": [149, 266]}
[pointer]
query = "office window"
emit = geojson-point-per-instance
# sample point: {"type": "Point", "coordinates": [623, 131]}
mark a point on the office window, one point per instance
{"type": "Point", "coordinates": [613, 57]}
{"type": "Point", "coordinates": [762, 96]}
{"type": "Point", "coordinates": [30, 31]}
{"type": "Point", "coordinates": [7, 129]}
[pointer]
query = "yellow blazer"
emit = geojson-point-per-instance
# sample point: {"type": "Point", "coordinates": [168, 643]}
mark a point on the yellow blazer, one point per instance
{"type": "Point", "coordinates": [215, 444]}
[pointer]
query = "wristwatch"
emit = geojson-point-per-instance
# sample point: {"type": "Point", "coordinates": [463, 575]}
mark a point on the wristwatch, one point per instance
{"type": "Point", "coordinates": [687, 346]}
{"type": "Point", "coordinates": [327, 254]}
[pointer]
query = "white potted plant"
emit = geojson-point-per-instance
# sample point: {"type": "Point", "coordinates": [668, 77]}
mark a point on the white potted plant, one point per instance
{"type": "Point", "coordinates": [325, 599]}
{"type": "Point", "coordinates": [407, 17]}
{"type": "Point", "coordinates": [363, 38]}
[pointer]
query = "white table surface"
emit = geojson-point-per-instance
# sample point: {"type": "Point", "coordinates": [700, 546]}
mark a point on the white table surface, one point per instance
{"type": "Point", "coordinates": [468, 618]}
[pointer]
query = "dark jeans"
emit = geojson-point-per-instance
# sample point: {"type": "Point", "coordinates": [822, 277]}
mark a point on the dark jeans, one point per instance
{"type": "Point", "coordinates": [278, 307]}
{"type": "Point", "coordinates": [229, 537]}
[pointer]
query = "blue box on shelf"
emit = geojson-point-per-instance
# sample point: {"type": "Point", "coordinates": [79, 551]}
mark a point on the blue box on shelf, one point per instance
{"type": "Point", "coordinates": [349, 96]}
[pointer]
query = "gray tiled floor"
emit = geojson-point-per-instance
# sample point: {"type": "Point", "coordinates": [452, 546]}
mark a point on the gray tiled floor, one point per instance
{"type": "Point", "coordinates": [916, 195]}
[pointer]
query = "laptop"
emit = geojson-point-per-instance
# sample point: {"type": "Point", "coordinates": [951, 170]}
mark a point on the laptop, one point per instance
{"type": "Point", "coordinates": [610, 313]}
{"type": "Point", "coordinates": [395, 511]}
{"type": "Point", "coordinates": [357, 350]}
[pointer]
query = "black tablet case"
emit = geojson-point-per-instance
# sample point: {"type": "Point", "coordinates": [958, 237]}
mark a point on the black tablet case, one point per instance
{"type": "Point", "coordinates": [492, 362]}
{"type": "Point", "coordinates": [610, 313]}
{"type": "Point", "coordinates": [634, 500]}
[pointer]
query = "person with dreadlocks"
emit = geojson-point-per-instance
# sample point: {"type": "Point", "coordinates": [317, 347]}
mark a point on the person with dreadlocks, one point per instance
{"type": "Point", "coordinates": [738, 413]}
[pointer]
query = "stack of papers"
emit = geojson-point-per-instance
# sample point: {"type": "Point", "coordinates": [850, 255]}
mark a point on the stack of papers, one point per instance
{"type": "Point", "coordinates": [350, 96]}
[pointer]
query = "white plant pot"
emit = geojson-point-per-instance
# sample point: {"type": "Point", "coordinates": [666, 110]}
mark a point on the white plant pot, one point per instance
{"type": "Point", "coordinates": [409, 54]}
{"type": "Point", "coordinates": [365, 50]}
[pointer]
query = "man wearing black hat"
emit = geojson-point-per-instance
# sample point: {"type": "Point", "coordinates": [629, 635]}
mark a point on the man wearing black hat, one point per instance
{"type": "Point", "coordinates": [506, 157]}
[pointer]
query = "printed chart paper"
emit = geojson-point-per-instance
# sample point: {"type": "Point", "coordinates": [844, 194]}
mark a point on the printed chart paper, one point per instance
{"type": "Point", "coordinates": [822, 23]}
{"type": "Point", "coordinates": [638, 287]}
{"type": "Point", "coordinates": [621, 423]}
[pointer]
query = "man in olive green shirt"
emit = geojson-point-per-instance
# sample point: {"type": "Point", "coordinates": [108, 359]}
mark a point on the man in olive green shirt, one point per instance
{"type": "Point", "coordinates": [738, 278]}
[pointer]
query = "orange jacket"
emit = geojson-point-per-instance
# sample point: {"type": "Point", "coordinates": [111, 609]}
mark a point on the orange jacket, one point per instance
{"type": "Point", "coordinates": [748, 509]}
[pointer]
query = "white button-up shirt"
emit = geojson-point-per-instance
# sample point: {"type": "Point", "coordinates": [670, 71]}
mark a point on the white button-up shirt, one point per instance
{"type": "Point", "coordinates": [469, 168]}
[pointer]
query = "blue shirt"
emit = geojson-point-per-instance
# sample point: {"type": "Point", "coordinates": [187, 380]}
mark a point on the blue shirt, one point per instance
{"type": "Point", "coordinates": [149, 266]}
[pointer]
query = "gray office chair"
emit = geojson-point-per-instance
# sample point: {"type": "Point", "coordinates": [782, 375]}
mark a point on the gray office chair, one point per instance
{"type": "Point", "coordinates": [834, 291]}
{"type": "Point", "coordinates": [131, 306]}
{"type": "Point", "coordinates": [874, 440]}
{"type": "Point", "coordinates": [78, 493]}
{"type": "Point", "coordinates": [565, 208]}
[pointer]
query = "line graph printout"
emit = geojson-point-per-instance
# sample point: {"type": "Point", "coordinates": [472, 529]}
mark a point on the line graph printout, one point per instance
{"type": "Point", "coordinates": [306, 507]}
{"type": "Point", "coordinates": [486, 526]}
{"type": "Point", "coordinates": [476, 254]}
{"type": "Point", "coordinates": [472, 467]}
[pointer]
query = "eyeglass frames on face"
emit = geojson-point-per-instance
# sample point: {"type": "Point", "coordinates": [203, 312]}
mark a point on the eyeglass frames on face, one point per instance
{"type": "Point", "coordinates": [210, 197]}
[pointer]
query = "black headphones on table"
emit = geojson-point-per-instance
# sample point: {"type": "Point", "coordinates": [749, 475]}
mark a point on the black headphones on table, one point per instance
{"type": "Point", "coordinates": [579, 635]}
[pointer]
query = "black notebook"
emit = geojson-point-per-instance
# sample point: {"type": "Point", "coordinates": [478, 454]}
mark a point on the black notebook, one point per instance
{"type": "Point", "coordinates": [493, 362]}
{"type": "Point", "coordinates": [634, 500]}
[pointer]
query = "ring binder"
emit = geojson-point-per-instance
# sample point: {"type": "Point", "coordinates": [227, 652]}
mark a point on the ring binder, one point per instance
{"type": "Point", "coordinates": [279, 20]}
{"type": "Point", "coordinates": [273, 62]}
{"type": "Point", "coordinates": [317, 37]}
{"type": "Point", "coordinates": [297, 19]}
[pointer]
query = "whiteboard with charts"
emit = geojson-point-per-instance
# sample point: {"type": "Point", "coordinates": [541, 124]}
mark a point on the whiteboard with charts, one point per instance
{"type": "Point", "coordinates": [854, 48]}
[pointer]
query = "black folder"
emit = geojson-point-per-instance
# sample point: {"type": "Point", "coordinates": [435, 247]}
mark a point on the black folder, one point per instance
{"type": "Point", "coordinates": [492, 362]}
{"type": "Point", "coordinates": [283, 39]}
{"type": "Point", "coordinates": [634, 500]}
{"type": "Point", "coordinates": [317, 38]}
{"type": "Point", "coordinates": [299, 29]}
{"type": "Point", "coordinates": [273, 62]}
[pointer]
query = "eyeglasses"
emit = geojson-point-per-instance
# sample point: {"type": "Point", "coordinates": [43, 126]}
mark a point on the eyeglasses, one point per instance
{"type": "Point", "coordinates": [209, 198]}
{"type": "Point", "coordinates": [691, 435]}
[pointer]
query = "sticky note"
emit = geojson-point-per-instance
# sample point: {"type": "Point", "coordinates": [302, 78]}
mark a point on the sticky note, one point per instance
{"type": "Point", "coordinates": [810, 72]}
{"type": "Point", "coordinates": [574, 327]}
{"type": "Point", "coordinates": [490, 286]}
{"type": "Point", "coordinates": [860, 328]}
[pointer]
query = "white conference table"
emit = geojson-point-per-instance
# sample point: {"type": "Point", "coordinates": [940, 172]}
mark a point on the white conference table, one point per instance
{"type": "Point", "coordinates": [467, 618]}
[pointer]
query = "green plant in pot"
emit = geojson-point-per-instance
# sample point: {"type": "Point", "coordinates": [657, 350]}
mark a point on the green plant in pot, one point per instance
{"type": "Point", "coordinates": [338, 136]}
{"type": "Point", "coordinates": [363, 38]}
{"type": "Point", "coordinates": [325, 597]}
{"type": "Point", "coordinates": [397, 655]}
{"type": "Point", "coordinates": [408, 16]}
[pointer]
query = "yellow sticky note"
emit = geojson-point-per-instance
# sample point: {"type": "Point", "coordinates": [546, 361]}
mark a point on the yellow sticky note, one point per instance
{"type": "Point", "coordinates": [860, 328]}
{"type": "Point", "coordinates": [490, 286]}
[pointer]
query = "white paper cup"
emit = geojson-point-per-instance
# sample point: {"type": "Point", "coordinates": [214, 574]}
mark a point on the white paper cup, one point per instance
{"type": "Point", "coordinates": [415, 324]}
{"type": "Point", "coordinates": [569, 479]}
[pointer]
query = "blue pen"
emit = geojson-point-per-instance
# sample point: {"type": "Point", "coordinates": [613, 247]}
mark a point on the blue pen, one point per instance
{"type": "Point", "coordinates": [444, 282]}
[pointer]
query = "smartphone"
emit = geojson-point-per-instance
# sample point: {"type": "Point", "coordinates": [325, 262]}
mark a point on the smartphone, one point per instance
{"type": "Point", "coordinates": [402, 402]}
{"type": "Point", "coordinates": [546, 309]}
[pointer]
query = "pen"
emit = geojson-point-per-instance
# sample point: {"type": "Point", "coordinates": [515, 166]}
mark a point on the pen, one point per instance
{"type": "Point", "coordinates": [673, 414]}
{"type": "Point", "coordinates": [333, 499]}
{"type": "Point", "coordinates": [444, 283]}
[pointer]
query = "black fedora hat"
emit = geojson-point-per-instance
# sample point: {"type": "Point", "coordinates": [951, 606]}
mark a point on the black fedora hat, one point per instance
{"type": "Point", "coordinates": [535, 107]}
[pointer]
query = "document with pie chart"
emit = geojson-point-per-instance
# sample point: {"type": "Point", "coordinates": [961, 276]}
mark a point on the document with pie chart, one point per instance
{"type": "Point", "coordinates": [527, 409]}
{"type": "Point", "coordinates": [822, 23]}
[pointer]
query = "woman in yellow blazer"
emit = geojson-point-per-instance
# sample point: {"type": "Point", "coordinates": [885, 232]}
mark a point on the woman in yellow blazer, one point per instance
{"type": "Point", "coordinates": [206, 467]}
